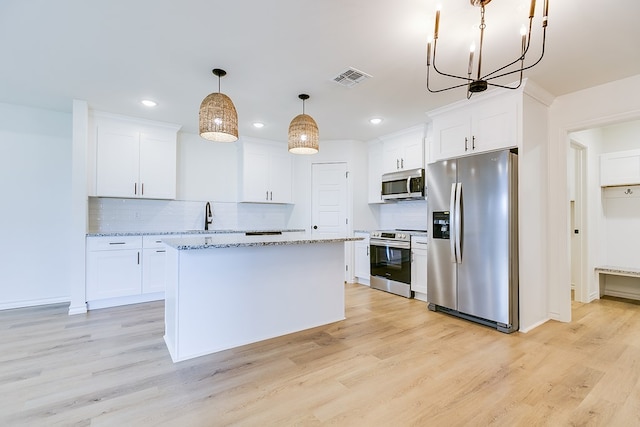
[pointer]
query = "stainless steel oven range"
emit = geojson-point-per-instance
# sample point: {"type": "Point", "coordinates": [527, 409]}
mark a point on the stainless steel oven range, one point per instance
{"type": "Point", "coordinates": [390, 258]}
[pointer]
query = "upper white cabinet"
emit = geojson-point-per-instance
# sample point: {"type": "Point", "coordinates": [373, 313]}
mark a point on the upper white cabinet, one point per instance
{"type": "Point", "coordinates": [265, 172]}
{"type": "Point", "coordinates": [487, 124]}
{"type": "Point", "coordinates": [403, 150]}
{"type": "Point", "coordinates": [620, 168]}
{"type": "Point", "coordinates": [133, 158]}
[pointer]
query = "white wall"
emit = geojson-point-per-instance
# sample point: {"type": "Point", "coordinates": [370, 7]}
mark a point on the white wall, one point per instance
{"type": "Point", "coordinates": [613, 102]}
{"type": "Point", "coordinates": [35, 219]}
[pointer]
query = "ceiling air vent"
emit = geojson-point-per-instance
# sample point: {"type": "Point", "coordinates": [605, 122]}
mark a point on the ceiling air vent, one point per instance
{"type": "Point", "coordinates": [351, 77]}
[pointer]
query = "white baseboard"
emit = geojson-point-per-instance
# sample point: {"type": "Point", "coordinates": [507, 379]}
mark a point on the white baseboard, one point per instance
{"type": "Point", "coordinates": [363, 281]}
{"type": "Point", "coordinates": [622, 294]}
{"type": "Point", "coordinates": [81, 309]}
{"type": "Point", "coordinates": [33, 303]}
{"type": "Point", "coordinates": [532, 327]}
{"type": "Point", "coordinates": [133, 299]}
{"type": "Point", "coordinates": [420, 296]}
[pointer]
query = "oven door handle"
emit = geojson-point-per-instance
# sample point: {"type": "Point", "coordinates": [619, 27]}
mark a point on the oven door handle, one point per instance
{"type": "Point", "coordinates": [386, 244]}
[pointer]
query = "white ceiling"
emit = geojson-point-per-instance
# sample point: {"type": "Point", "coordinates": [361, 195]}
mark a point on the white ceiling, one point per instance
{"type": "Point", "coordinates": [113, 53]}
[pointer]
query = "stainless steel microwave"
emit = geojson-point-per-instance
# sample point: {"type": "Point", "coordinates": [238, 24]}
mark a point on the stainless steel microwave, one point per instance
{"type": "Point", "coordinates": [403, 185]}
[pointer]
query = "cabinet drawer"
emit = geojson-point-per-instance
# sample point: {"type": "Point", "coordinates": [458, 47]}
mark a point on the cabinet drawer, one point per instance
{"type": "Point", "coordinates": [113, 243]}
{"type": "Point", "coordinates": [155, 242]}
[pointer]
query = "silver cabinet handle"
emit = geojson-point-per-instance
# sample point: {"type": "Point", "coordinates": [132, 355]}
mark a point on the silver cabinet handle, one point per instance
{"type": "Point", "coordinates": [135, 188]}
{"type": "Point", "coordinates": [466, 143]}
{"type": "Point", "coordinates": [142, 192]}
{"type": "Point", "coordinates": [266, 197]}
{"type": "Point", "coordinates": [402, 163]}
{"type": "Point", "coordinates": [473, 142]}
{"type": "Point", "coordinates": [117, 243]}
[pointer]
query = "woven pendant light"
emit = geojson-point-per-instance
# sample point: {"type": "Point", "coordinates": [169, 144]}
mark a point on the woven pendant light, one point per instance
{"type": "Point", "coordinates": [303, 132]}
{"type": "Point", "coordinates": [218, 116]}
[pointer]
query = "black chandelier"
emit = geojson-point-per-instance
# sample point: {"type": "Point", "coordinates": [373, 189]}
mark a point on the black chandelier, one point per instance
{"type": "Point", "coordinates": [482, 81]}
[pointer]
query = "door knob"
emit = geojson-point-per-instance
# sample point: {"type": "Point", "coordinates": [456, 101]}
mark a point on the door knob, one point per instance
{"type": "Point", "coordinates": [315, 227]}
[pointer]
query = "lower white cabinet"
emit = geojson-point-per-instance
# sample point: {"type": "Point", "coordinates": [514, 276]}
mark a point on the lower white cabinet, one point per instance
{"type": "Point", "coordinates": [124, 270]}
{"type": "Point", "coordinates": [419, 266]}
{"type": "Point", "coordinates": [153, 264]}
{"type": "Point", "coordinates": [114, 267]}
{"type": "Point", "coordinates": [362, 261]}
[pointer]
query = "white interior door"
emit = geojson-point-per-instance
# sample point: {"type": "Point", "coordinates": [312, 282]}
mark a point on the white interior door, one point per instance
{"type": "Point", "coordinates": [329, 215]}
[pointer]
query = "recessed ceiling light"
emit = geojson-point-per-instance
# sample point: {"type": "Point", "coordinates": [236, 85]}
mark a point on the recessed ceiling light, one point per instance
{"type": "Point", "coordinates": [375, 120]}
{"type": "Point", "coordinates": [149, 103]}
{"type": "Point", "coordinates": [258, 125]}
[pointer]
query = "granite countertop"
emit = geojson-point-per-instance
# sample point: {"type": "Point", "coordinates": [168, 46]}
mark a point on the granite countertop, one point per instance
{"type": "Point", "coordinates": [230, 240]}
{"type": "Point", "coordinates": [409, 232]}
{"type": "Point", "coordinates": [193, 232]}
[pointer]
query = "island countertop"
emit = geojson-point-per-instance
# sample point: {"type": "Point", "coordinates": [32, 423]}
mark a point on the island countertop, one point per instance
{"type": "Point", "coordinates": [243, 240]}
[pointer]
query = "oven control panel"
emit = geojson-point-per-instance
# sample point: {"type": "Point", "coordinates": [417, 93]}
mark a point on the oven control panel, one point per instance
{"type": "Point", "coordinates": [390, 235]}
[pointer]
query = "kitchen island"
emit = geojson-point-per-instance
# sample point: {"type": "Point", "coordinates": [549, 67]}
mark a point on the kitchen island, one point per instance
{"type": "Point", "coordinates": [223, 291]}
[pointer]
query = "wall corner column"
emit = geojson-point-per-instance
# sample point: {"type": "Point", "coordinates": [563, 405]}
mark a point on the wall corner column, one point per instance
{"type": "Point", "coordinates": [79, 206]}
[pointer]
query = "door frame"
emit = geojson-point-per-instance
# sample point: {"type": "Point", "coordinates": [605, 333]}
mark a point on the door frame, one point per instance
{"type": "Point", "coordinates": [581, 292]}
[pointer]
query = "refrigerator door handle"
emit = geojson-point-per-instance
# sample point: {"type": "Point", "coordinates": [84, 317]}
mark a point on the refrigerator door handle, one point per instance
{"type": "Point", "coordinates": [409, 185]}
{"type": "Point", "coordinates": [458, 222]}
{"type": "Point", "coordinates": [452, 229]}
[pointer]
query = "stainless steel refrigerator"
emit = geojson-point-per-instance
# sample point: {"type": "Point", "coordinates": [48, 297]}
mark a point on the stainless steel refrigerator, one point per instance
{"type": "Point", "coordinates": [472, 258]}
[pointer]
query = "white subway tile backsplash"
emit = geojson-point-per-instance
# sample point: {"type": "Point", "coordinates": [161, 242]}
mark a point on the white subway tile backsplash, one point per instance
{"type": "Point", "coordinates": [410, 215]}
{"type": "Point", "coordinates": [122, 215]}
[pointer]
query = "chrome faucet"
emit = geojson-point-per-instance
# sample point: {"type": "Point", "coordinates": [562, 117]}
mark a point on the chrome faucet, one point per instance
{"type": "Point", "coordinates": [208, 216]}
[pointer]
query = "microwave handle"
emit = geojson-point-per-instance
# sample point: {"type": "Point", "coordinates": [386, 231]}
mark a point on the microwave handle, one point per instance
{"type": "Point", "coordinates": [409, 185]}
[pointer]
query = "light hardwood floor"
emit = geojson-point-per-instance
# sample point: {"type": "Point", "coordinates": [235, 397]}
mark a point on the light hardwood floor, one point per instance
{"type": "Point", "coordinates": [390, 363]}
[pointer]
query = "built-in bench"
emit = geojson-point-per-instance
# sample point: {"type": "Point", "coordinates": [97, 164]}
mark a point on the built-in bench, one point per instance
{"type": "Point", "coordinates": [616, 271]}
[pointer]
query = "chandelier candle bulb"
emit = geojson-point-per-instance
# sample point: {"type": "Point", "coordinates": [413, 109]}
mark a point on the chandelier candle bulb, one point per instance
{"type": "Point", "coordinates": [546, 10]}
{"type": "Point", "coordinates": [428, 52]}
{"type": "Point", "coordinates": [472, 49]}
{"type": "Point", "coordinates": [532, 10]}
{"type": "Point", "coordinates": [523, 33]}
{"type": "Point", "coordinates": [435, 32]}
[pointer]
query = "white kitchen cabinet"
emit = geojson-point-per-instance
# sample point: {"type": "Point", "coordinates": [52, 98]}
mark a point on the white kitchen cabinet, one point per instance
{"type": "Point", "coordinates": [375, 172]}
{"type": "Point", "coordinates": [265, 172]}
{"type": "Point", "coordinates": [124, 270]}
{"type": "Point", "coordinates": [153, 264]}
{"type": "Point", "coordinates": [114, 267]}
{"type": "Point", "coordinates": [403, 150]}
{"type": "Point", "coordinates": [419, 266]}
{"type": "Point", "coordinates": [620, 168]}
{"type": "Point", "coordinates": [488, 124]}
{"type": "Point", "coordinates": [362, 260]}
{"type": "Point", "coordinates": [133, 158]}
